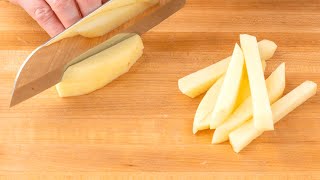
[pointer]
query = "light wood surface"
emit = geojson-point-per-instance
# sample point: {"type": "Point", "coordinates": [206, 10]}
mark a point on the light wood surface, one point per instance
{"type": "Point", "coordinates": [140, 126]}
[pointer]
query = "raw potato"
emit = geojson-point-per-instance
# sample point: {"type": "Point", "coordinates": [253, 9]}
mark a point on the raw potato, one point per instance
{"type": "Point", "coordinates": [207, 104]}
{"type": "Point", "coordinates": [97, 71]}
{"type": "Point", "coordinates": [246, 133]}
{"type": "Point", "coordinates": [261, 105]}
{"type": "Point", "coordinates": [206, 107]}
{"type": "Point", "coordinates": [105, 19]}
{"type": "Point", "coordinates": [230, 89]}
{"type": "Point", "coordinates": [199, 82]}
{"type": "Point", "coordinates": [114, 4]}
{"type": "Point", "coordinates": [275, 86]}
{"type": "Point", "coordinates": [244, 91]}
{"type": "Point", "coordinates": [112, 16]}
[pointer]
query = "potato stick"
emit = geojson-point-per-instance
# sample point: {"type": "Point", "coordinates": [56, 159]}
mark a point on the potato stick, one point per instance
{"type": "Point", "coordinates": [275, 86]}
{"type": "Point", "coordinates": [230, 89]}
{"type": "Point", "coordinates": [199, 82]}
{"type": "Point", "coordinates": [206, 106]}
{"type": "Point", "coordinates": [262, 114]}
{"type": "Point", "coordinates": [246, 133]}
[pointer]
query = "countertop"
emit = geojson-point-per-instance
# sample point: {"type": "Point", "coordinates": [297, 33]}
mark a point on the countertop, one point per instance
{"type": "Point", "coordinates": [140, 125]}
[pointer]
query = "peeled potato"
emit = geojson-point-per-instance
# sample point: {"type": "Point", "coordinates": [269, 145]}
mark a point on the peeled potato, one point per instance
{"type": "Point", "coordinates": [106, 18]}
{"type": "Point", "coordinates": [261, 104]}
{"type": "Point", "coordinates": [230, 89]}
{"type": "Point", "coordinates": [99, 70]}
{"type": "Point", "coordinates": [199, 82]}
{"type": "Point", "coordinates": [276, 83]}
{"type": "Point", "coordinates": [244, 91]}
{"type": "Point", "coordinates": [206, 106]}
{"type": "Point", "coordinates": [205, 109]}
{"type": "Point", "coordinates": [105, 22]}
{"type": "Point", "coordinates": [246, 133]}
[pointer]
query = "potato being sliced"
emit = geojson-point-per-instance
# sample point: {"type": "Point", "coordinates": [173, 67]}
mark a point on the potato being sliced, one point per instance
{"type": "Point", "coordinates": [206, 106]}
{"type": "Point", "coordinates": [246, 133]}
{"type": "Point", "coordinates": [199, 82]}
{"type": "Point", "coordinates": [104, 22]}
{"type": "Point", "coordinates": [114, 4]}
{"type": "Point", "coordinates": [275, 86]}
{"type": "Point", "coordinates": [98, 70]}
{"type": "Point", "coordinates": [262, 114]}
{"type": "Point", "coordinates": [230, 89]}
{"type": "Point", "coordinates": [110, 16]}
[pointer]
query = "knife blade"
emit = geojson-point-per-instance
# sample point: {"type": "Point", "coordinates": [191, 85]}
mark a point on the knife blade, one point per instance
{"type": "Point", "coordinates": [45, 66]}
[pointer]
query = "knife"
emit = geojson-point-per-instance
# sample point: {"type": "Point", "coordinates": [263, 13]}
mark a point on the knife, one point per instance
{"type": "Point", "coordinates": [45, 66]}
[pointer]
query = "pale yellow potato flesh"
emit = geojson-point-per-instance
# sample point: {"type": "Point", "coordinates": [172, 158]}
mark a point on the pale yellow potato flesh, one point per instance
{"type": "Point", "coordinates": [262, 114]}
{"type": "Point", "coordinates": [247, 132]}
{"type": "Point", "coordinates": [230, 89]}
{"type": "Point", "coordinates": [99, 70]}
{"type": "Point", "coordinates": [107, 21]}
{"type": "Point", "coordinates": [106, 18]}
{"type": "Point", "coordinates": [276, 83]}
{"type": "Point", "coordinates": [115, 4]}
{"type": "Point", "coordinates": [244, 90]}
{"type": "Point", "coordinates": [206, 106]}
{"type": "Point", "coordinates": [199, 82]}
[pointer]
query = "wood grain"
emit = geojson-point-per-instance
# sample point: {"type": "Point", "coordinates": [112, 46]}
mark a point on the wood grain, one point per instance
{"type": "Point", "coordinates": [140, 126]}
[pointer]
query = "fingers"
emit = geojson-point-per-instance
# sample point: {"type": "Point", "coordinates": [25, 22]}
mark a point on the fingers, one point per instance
{"type": "Point", "coordinates": [66, 10]}
{"type": "Point", "coordinates": [56, 15]}
{"type": "Point", "coordinates": [87, 6]}
{"type": "Point", "coordinates": [40, 11]}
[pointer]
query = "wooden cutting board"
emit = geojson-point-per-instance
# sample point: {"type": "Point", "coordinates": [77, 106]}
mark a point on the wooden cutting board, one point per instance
{"type": "Point", "coordinates": [141, 125]}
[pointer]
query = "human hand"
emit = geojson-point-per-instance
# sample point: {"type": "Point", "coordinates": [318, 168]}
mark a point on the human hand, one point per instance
{"type": "Point", "coordinates": [54, 16]}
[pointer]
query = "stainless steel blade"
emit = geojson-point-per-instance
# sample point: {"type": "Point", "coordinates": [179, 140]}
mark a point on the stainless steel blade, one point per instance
{"type": "Point", "coordinates": [45, 66]}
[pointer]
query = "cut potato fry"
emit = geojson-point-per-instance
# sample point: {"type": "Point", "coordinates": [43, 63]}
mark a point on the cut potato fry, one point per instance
{"type": "Point", "coordinates": [262, 114]}
{"type": "Point", "coordinates": [275, 86]}
{"type": "Point", "coordinates": [199, 82]}
{"type": "Point", "coordinates": [206, 106]}
{"type": "Point", "coordinates": [204, 113]}
{"type": "Point", "coordinates": [230, 89]}
{"type": "Point", "coordinates": [98, 70]}
{"type": "Point", "coordinates": [246, 133]}
{"type": "Point", "coordinates": [244, 91]}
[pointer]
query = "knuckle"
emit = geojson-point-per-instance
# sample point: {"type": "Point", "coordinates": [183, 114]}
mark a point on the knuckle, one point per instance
{"type": "Point", "coordinates": [43, 14]}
